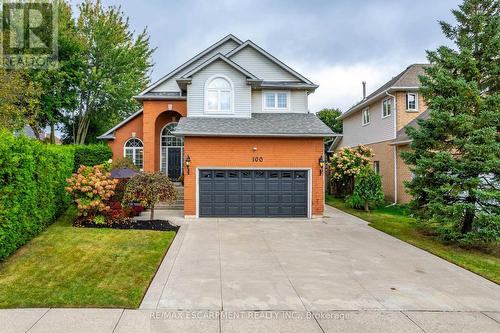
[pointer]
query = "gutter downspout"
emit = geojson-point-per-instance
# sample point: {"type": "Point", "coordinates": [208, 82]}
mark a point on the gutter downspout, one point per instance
{"type": "Point", "coordinates": [395, 157]}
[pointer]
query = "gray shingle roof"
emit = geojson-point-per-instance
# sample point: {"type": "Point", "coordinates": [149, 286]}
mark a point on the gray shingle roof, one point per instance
{"type": "Point", "coordinates": [260, 124]}
{"type": "Point", "coordinates": [401, 136]}
{"type": "Point", "coordinates": [406, 79]}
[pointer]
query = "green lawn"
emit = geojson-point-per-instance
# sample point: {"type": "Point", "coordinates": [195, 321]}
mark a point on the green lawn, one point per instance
{"type": "Point", "coordinates": [395, 222]}
{"type": "Point", "coordinates": [82, 267]}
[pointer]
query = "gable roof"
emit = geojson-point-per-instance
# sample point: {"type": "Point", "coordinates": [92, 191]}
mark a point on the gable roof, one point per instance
{"type": "Point", "coordinates": [269, 56]}
{"type": "Point", "coordinates": [258, 125]}
{"type": "Point", "coordinates": [110, 135]}
{"type": "Point", "coordinates": [407, 79]}
{"type": "Point", "coordinates": [190, 61]}
{"type": "Point", "coordinates": [221, 57]}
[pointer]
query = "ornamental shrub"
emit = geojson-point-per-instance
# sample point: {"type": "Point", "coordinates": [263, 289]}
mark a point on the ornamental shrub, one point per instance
{"type": "Point", "coordinates": [90, 155]}
{"type": "Point", "coordinates": [32, 180]}
{"type": "Point", "coordinates": [123, 162]}
{"type": "Point", "coordinates": [149, 189]}
{"type": "Point", "coordinates": [91, 189]}
{"type": "Point", "coordinates": [367, 190]}
{"type": "Point", "coordinates": [345, 165]}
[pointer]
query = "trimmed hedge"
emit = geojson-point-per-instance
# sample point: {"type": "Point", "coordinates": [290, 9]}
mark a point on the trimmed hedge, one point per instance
{"type": "Point", "coordinates": [91, 155]}
{"type": "Point", "coordinates": [32, 180]}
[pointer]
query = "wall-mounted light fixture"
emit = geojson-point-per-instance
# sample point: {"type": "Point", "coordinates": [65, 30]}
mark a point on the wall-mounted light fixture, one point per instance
{"type": "Point", "coordinates": [188, 163]}
{"type": "Point", "coordinates": [254, 148]}
{"type": "Point", "coordinates": [321, 163]}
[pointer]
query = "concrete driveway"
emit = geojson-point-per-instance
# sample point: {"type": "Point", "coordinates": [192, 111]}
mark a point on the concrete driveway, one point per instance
{"type": "Point", "coordinates": [334, 263]}
{"type": "Point", "coordinates": [334, 274]}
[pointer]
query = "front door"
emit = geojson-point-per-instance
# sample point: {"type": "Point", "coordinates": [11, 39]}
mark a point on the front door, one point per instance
{"type": "Point", "coordinates": [171, 152]}
{"type": "Point", "coordinates": [174, 162]}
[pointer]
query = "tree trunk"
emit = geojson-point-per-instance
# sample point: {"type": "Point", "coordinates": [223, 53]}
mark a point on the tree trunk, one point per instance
{"type": "Point", "coordinates": [52, 133]}
{"type": "Point", "coordinates": [468, 216]}
{"type": "Point", "coordinates": [83, 126]}
{"type": "Point", "coordinates": [152, 214]}
{"type": "Point", "coordinates": [367, 208]}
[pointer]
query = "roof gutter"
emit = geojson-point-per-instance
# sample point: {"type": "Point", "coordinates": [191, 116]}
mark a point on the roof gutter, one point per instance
{"type": "Point", "coordinates": [371, 99]}
{"type": "Point", "coordinates": [204, 134]}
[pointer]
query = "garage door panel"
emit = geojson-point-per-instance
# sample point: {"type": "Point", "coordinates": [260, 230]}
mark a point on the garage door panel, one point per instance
{"type": "Point", "coordinates": [260, 185]}
{"type": "Point", "coordinates": [219, 198]}
{"type": "Point", "coordinates": [247, 198]}
{"type": "Point", "coordinates": [274, 186]}
{"type": "Point", "coordinates": [233, 185]}
{"type": "Point", "coordinates": [300, 186]}
{"type": "Point", "coordinates": [206, 186]}
{"type": "Point", "coordinates": [253, 193]}
{"type": "Point", "coordinates": [219, 186]}
{"type": "Point", "coordinates": [273, 198]}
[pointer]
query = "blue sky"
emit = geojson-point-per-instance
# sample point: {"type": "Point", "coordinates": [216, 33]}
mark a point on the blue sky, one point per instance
{"type": "Point", "coordinates": [337, 43]}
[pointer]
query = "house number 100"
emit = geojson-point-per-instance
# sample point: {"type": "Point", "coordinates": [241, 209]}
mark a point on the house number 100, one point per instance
{"type": "Point", "coordinates": [257, 159]}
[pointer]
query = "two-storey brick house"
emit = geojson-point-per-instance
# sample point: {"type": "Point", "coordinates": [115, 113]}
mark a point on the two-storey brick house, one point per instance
{"type": "Point", "coordinates": [378, 122]}
{"type": "Point", "coordinates": [234, 121]}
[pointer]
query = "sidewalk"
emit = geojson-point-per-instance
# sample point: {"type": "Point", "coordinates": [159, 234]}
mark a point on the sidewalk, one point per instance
{"type": "Point", "coordinates": [146, 321]}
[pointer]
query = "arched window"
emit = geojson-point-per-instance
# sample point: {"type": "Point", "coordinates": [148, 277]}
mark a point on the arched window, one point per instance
{"type": "Point", "coordinates": [218, 95]}
{"type": "Point", "coordinates": [168, 139]}
{"type": "Point", "coordinates": [133, 149]}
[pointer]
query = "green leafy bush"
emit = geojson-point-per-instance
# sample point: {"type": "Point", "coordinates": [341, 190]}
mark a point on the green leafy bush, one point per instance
{"type": "Point", "coordinates": [90, 155]}
{"type": "Point", "coordinates": [345, 165]}
{"type": "Point", "coordinates": [367, 190]}
{"type": "Point", "coordinates": [32, 180]}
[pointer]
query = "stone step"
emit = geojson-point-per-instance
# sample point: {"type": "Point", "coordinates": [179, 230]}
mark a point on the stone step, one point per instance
{"type": "Point", "coordinates": [171, 207]}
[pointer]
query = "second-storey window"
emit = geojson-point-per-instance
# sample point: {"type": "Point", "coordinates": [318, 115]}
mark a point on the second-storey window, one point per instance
{"type": "Point", "coordinates": [219, 95]}
{"type": "Point", "coordinates": [276, 100]}
{"type": "Point", "coordinates": [386, 107]}
{"type": "Point", "coordinates": [365, 117]}
{"type": "Point", "coordinates": [411, 101]}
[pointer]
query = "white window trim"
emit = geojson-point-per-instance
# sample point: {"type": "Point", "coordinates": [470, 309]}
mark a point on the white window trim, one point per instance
{"type": "Point", "coordinates": [416, 102]}
{"type": "Point", "coordinates": [205, 97]}
{"type": "Point", "coordinates": [275, 92]}
{"type": "Point", "coordinates": [390, 99]}
{"type": "Point", "coordinates": [363, 117]}
{"type": "Point", "coordinates": [134, 150]}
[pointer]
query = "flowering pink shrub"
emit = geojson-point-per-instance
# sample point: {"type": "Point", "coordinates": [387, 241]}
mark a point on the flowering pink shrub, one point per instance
{"type": "Point", "coordinates": [91, 189]}
{"type": "Point", "coordinates": [345, 165]}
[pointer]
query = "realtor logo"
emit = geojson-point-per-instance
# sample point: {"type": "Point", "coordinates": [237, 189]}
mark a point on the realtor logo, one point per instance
{"type": "Point", "coordinates": [29, 33]}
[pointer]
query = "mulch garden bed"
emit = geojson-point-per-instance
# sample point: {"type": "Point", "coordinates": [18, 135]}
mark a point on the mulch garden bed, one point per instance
{"type": "Point", "coordinates": [159, 225]}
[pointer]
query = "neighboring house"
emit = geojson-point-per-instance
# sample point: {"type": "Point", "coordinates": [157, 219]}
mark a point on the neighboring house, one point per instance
{"type": "Point", "coordinates": [234, 121]}
{"type": "Point", "coordinates": [378, 121]}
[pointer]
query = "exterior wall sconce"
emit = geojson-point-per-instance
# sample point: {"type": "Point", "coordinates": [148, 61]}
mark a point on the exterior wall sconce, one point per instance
{"type": "Point", "coordinates": [321, 163]}
{"type": "Point", "coordinates": [188, 163]}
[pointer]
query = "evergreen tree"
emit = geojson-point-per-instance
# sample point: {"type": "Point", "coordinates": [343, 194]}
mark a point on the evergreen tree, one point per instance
{"type": "Point", "coordinates": [456, 152]}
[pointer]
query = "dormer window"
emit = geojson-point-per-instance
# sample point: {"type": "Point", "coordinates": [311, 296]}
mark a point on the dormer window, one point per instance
{"type": "Point", "coordinates": [219, 95]}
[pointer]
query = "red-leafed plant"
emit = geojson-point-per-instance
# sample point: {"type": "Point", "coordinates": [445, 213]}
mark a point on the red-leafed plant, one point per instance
{"type": "Point", "coordinates": [149, 189]}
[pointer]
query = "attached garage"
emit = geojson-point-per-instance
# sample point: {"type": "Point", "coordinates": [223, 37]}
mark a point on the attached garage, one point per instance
{"type": "Point", "coordinates": [253, 193]}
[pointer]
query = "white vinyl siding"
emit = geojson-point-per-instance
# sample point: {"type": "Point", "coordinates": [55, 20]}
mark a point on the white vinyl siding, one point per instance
{"type": "Point", "coordinates": [171, 84]}
{"type": "Point", "coordinates": [380, 129]}
{"type": "Point", "coordinates": [196, 91]}
{"type": "Point", "coordinates": [298, 101]}
{"type": "Point", "coordinates": [261, 66]}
